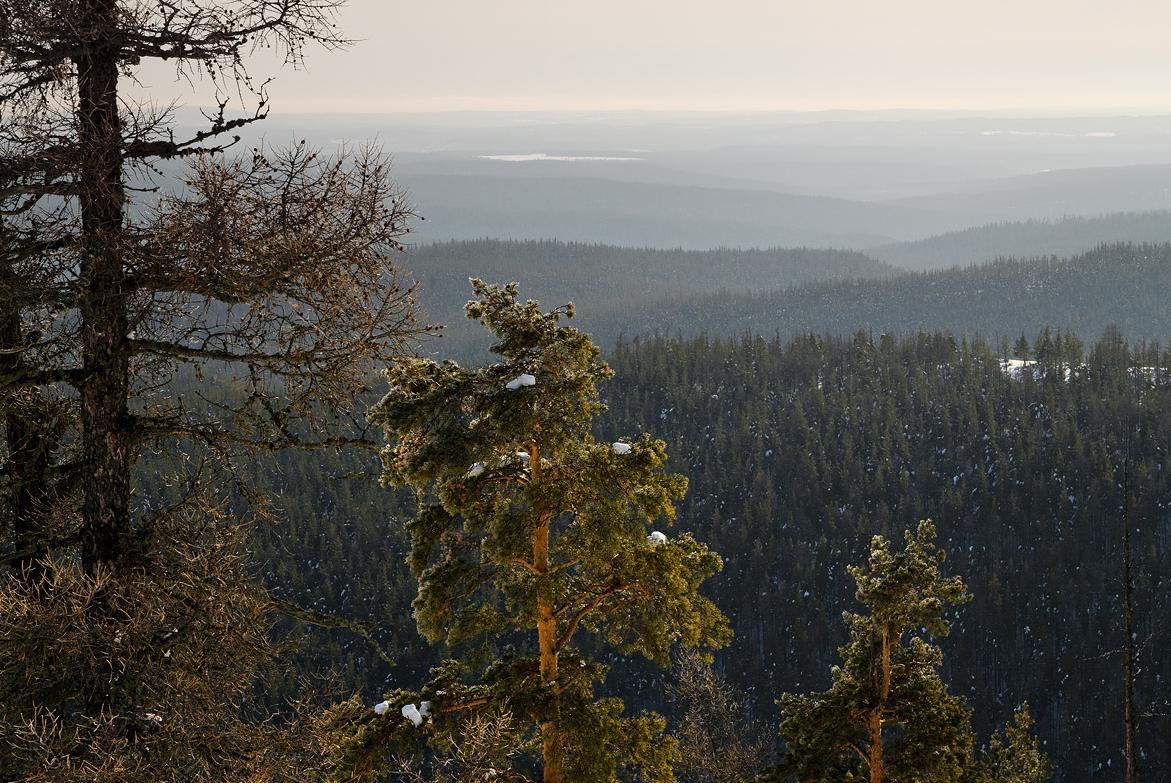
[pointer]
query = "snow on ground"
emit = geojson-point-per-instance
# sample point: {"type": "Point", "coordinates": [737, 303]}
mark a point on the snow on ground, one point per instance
{"type": "Point", "coordinates": [524, 379]}
{"type": "Point", "coordinates": [1018, 369]}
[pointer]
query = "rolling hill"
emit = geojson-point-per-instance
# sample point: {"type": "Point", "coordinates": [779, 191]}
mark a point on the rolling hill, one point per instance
{"type": "Point", "coordinates": [1065, 237]}
{"type": "Point", "coordinates": [612, 286]}
{"type": "Point", "coordinates": [657, 215]}
{"type": "Point", "coordinates": [1054, 194]}
{"type": "Point", "coordinates": [1125, 285]}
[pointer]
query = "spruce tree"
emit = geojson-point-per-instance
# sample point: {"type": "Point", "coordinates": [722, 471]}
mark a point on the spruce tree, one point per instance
{"type": "Point", "coordinates": [887, 716]}
{"type": "Point", "coordinates": [529, 534]}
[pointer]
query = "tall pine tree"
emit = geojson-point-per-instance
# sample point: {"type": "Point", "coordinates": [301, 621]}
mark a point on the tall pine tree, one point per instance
{"type": "Point", "coordinates": [887, 717]}
{"type": "Point", "coordinates": [531, 533]}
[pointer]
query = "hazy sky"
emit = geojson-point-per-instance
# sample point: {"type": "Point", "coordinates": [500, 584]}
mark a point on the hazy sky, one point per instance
{"type": "Point", "coordinates": [447, 55]}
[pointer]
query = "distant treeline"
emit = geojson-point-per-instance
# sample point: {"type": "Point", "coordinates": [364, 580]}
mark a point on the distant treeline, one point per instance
{"type": "Point", "coordinates": [611, 286]}
{"type": "Point", "coordinates": [796, 453]}
{"type": "Point", "coordinates": [1126, 285]}
{"type": "Point", "coordinates": [627, 292]}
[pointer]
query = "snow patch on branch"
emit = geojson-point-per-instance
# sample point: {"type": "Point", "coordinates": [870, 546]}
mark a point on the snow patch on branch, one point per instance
{"type": "Point", "coordinates": [411, 713]}
{"type": "Point", "coordinates": [524, 379]}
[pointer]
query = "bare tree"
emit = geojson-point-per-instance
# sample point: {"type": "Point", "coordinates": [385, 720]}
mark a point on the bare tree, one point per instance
{"type": "Point", "coordinates": [718, 740]}
{"type": "Point", "coordinates": [129, 631]}
{"type": "Point", "coordinates": [484, 753]}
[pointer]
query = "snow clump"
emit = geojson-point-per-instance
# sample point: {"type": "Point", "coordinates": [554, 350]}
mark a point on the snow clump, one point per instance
{"type": "Point", "coordinates": [411, 713]}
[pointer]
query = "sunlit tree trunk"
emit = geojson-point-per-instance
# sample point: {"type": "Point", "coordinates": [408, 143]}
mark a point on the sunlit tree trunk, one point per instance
{"type": "Point", "coordinates": [546, 630]}
{"type": "Point", "coordinates": [875, 760]}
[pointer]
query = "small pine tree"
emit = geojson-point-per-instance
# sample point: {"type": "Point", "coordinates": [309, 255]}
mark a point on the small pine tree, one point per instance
{"type": "Point", "coordinates": [887, 717]}
{"type": "Point", "coordinates": [1021, 348]}
{"type": "Point", "coordinates": [529, 532]}
{"type": "Point", "coordinates": [1014, 754]}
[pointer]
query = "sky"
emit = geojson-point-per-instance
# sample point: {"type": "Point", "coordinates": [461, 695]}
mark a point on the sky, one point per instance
{"type": "Point", "coordinates": [732, 55]}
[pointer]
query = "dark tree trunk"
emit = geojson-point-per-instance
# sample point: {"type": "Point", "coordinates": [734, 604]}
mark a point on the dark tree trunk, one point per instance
{"type": "Point", "coordinates": [1128, 653]}
{"type": "Point", "coordinates": [105, 420]}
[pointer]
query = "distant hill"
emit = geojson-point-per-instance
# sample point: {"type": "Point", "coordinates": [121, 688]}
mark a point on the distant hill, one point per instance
{"type": "Point", "coordinates": [1123, 284]}
{"type": "Point", "coordinates": [1032, 238]}
{"type": "Point", "coordinates": [1054, 194]}
{"type": "Point", "coordinates": [611, 285]}
{"type": "Point", "coordinates": [657, 215]}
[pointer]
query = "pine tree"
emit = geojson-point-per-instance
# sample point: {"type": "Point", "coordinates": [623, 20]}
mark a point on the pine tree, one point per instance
{"type": "Point", "coordinates": [1014, 754]}
{"type": "Point", "coordinates": [1020, 349]}
{"type": "Point", "coordinates": [530, 532]}
{"type": "Point", "coordinates": [887, 717]}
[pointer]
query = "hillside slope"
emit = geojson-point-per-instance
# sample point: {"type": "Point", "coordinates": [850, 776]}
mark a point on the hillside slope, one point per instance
{"type": "Point", "coordinates": [1032, 238]}
{"type": "Point", "coordinates": [1126, 285]}
{"type": "Point", "coordinates": [658, 215]}
{"type": "Point", "coordinates": [1055, 194]}
{"type": "Point", "coordinates": [612, 286]}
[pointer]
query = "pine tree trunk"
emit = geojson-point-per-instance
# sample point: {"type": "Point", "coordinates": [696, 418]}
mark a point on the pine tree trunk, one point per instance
{"type": "Point", "coordinates": [105, 419]}
{"type": "Point", "coordinates": [1128, 654]}
{"type": "Point", "coordinates": [875, 760]}
{"type": "Point", "coordinates": [546, 632]}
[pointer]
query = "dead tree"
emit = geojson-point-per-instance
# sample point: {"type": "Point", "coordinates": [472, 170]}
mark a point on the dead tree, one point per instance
{"type": "Point", "coordinates": [270, 273]}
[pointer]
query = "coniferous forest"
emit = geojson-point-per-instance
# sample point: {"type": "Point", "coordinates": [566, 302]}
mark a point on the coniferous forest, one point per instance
{"type": "Point", "coordinates": [796, 453]}
{"type": "Point", "coordinates": [292, 492]}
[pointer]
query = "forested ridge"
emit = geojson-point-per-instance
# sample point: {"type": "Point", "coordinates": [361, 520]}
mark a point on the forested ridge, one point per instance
{"type": "Point", "coordinates": [626, 292]}
{"type": "Point", "coordinates": [1025, 239]}
{"type": "Point", "coordinates": [796, 453]}
{"type": "Point", "coordinates": [1124, 284]}
{"type": "Point", "coordinates": [611, 285]}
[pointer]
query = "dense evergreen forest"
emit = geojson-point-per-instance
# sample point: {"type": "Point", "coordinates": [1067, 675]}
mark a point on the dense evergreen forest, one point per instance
{"type": "Point", "coordinates": [797, 452]}
{"type": "Point", "coordinates": [1124, 284]}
